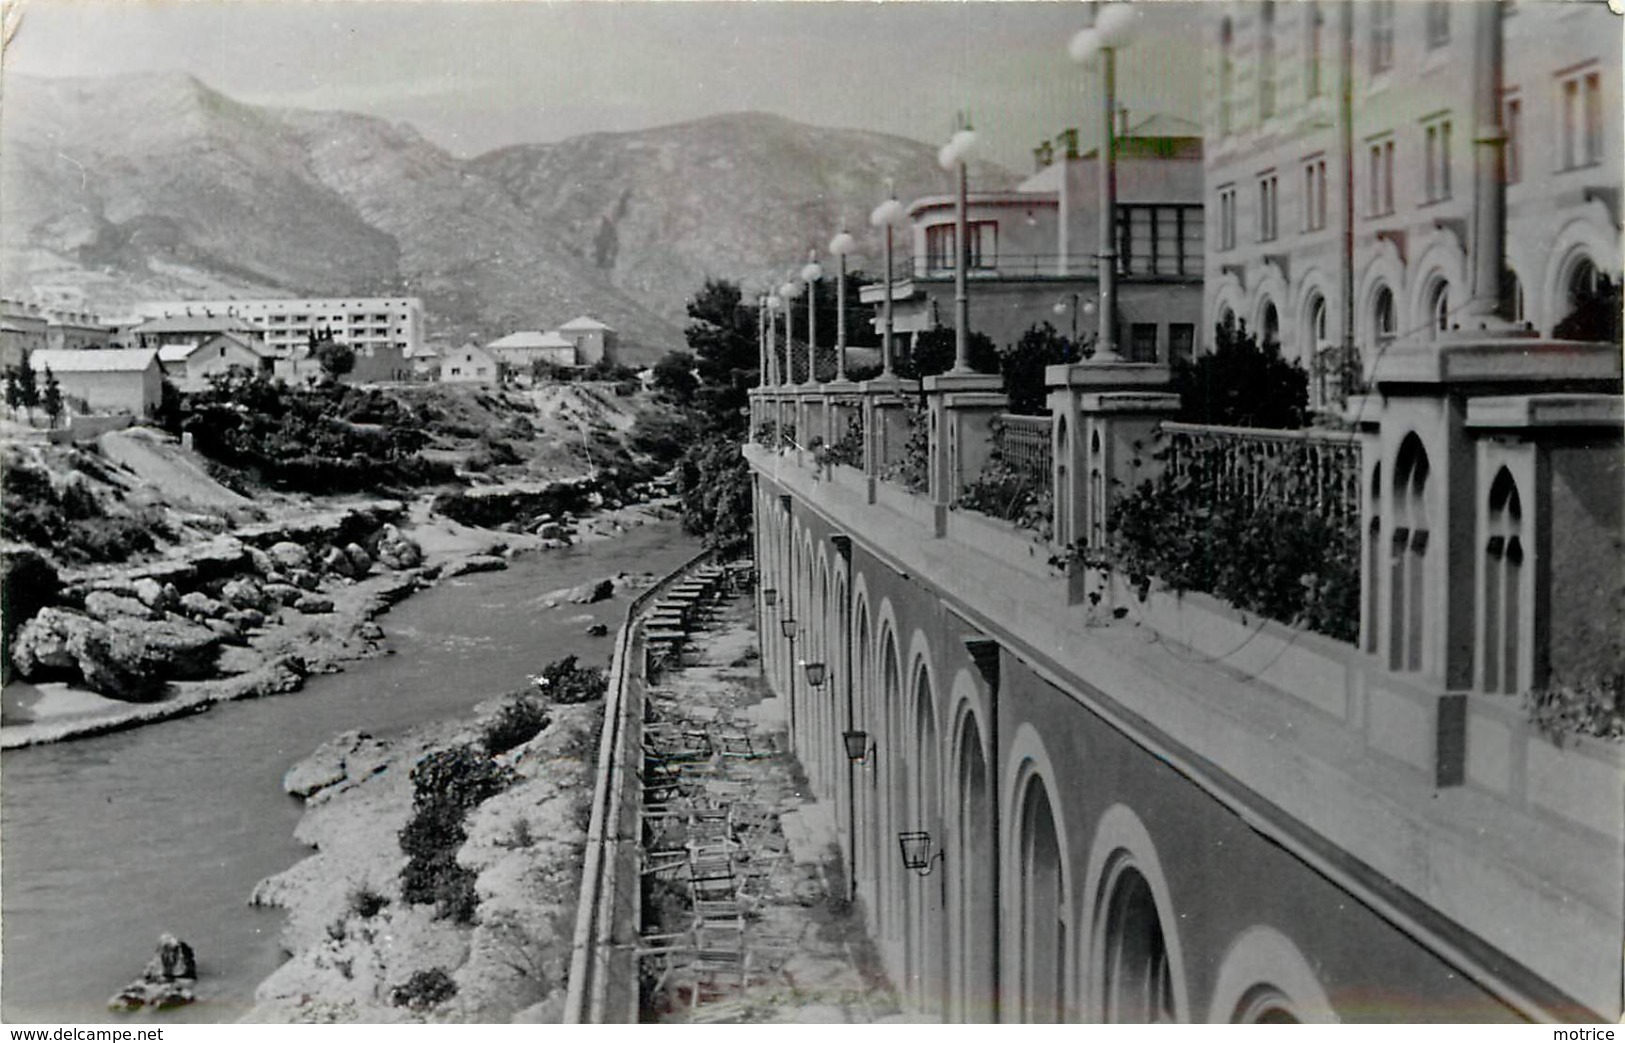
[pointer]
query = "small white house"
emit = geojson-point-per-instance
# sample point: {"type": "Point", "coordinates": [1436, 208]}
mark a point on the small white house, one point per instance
{"type": "Point", "coordinates": [594, 341]}
{"type": "Point", "coordinates": [104, 380]}
{"type": "Point", "coordinates": [189, 366]}
{"type": "Point", "coordinates": [470, 364]}
{"type": "Point", "coordinates": [519, 351]}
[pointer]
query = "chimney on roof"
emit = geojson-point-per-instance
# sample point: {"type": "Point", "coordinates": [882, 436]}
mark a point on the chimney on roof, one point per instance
{"type": "Point", "coordinates": [1067, 140]}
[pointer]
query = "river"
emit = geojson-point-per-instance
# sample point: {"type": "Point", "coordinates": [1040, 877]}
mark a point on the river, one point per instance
{"type": "Point", "coordinates": [109, 841]}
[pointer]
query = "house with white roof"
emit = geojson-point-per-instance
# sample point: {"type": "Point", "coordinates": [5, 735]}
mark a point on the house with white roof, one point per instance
{"type": "Point", "coordinates": [470, 364]}
{"type": "Point", "coordinates": [105, 380]}
{"type": "Point", "coordinates": [594, 341]}
{"type": "Point", "coordinates": [189, 366]}
{"type": "Point", "coordinates": [519, 351]}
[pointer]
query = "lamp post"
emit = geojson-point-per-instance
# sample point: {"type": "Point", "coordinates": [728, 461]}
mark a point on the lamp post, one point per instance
{"type": "Point", "coordinates": [1072, 302]}
{"type": "Point", "coordinates": [787, 626]}
{"type": "Point", "coordinates": [887, 215]}
{"type": "Point", "coordinates": [952, 157]}
{"type": "Point", "coordinates": [1113, 30]}
{"type": "Point", "coordinates": [811, 272]}
{"type": "Point", "coordinates": [840, 246]}
{"type": "Point", "coordinates": [788, 292]}
{"type": "Point", "coordinates": [772, 301]}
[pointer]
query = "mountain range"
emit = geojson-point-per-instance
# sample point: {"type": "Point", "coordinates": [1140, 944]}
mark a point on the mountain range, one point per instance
{"type": "Point", "coordinates": [155, 186]}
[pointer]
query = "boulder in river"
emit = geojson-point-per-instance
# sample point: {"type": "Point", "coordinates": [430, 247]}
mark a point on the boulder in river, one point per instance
{"type": "Point", "coordinates": [474, 563]}
{"type": "Point", "coordinates": [165, 982]}
{"type": "Point", "coordinates": [153, 594]}
{"type": "Point", "coordinates": [200, 606]}
{"type": "Point", "coordinates": [335, 561]}
{"type": "Point", "coordinates": [304, 579]}
{"type": "Point", "coordinates": [360, 560]}
{"type": "Point", "coordinates": [598, 630]}
{"type": "Point", "coordinates": [590, 593]}
{"type": "Point", "coordinates": [313, 604]}
{"type": "Point", "coordinates": [244, 593]}
{"type": "Point", "coordinates": [394, 550]}
{"type": "Point", "coordinates": [282, 593]}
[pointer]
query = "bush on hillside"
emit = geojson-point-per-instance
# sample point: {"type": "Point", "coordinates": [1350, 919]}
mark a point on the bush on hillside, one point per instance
{"type": "Point", "coordinates": [446, 786]}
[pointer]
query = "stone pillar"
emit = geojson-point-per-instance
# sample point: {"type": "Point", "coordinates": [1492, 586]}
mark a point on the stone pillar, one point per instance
{"type": "Point", "coordinates": [885, 422]}
{"type": "Point", "coordinates": [962, 408]}
{"type": "Point", "coordinates": [1105, 415]}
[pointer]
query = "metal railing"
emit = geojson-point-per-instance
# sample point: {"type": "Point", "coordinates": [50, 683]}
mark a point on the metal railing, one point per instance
{"type": "Point", "coordinates": [1003, 266]}
{"type": "Point", "coordinates": [1024, 443]}
{"type": "Point", "coordinates": [1315, 470]}
{"type": "Point", "coordinates": [603, 983]}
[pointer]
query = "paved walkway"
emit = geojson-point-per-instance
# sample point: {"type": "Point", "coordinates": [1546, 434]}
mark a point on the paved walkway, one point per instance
{"type": "Point", "coordinates": [746, 905]}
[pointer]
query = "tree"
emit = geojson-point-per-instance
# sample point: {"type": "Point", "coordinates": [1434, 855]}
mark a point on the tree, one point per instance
{"type": "Point", "coordinates": [674, 378]}
{"type": "Point", "coordinates": [27, 387]}
{"type": "Point", "coordinates": [934, 353]}
{"type": "Point", "coordinates": [170, 410]}
{"type": "Point", "coordinates": [1023, 364]}
{"type": "Point", "coordinates": [14, 393]}
{"type": "Point", "coordinates": [337, 358]}
{"type": "Point", "coordinates": [723, 338]}
{"type": "Point", "coordinates": [52, 399]}
{"type": "Point", "coordinates": [714, 482]}
{"type": "Point", "coordinates": [1242, 384]}
{"type": "Point", "coordinates": [1596, 314]}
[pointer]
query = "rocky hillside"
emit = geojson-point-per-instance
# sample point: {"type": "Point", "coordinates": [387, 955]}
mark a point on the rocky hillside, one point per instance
{"type": "Point", "coordinates": [149, 186]}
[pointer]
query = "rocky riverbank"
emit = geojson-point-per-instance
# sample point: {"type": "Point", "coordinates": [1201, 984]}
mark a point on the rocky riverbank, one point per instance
{"type": "Point", "coordinates": [360, 952]}
{"type": "Point", "coordinates": [252, 613]}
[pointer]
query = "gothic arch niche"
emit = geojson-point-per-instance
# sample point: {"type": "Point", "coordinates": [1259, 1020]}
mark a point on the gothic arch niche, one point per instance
{"type": "Point", "coordinates": [1269, 324]}
{"type": "Point", "coordinates": [1373, 563]}
{"type": "Point", "coordinates": [1501, 645]}
{"type": "Point", "coordinates": [1060, 452]}
{"type": "Point", "coordinates": [1265, 979]}
{"type": "Point", "coordinates": [894, 767]}
{"type": "Point", "coordinates": [1437, 302]}
{"type": "Point", "coordinates": [927, 954]}
{"type": "Point", "coordinates": [971, 942]}
{"type": "Point", "coordinates": [867, 839]}
{"type": "Point", "coordinates": [1136, 975]}
{"type": "Point", "coordinates": [1407, 609]}
{"type": "Point", "coordinates": [1040, 974]}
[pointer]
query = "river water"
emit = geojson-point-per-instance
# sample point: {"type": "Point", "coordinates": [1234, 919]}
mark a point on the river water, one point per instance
{"type": "Point", "coordinates": [109, 841]}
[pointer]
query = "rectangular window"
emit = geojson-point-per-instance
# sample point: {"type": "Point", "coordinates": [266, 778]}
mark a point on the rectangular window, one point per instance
{"type": "Point", "coordinates": [1380, 179]}
{"type": "Point", "coordinates": [1181, 341]}
{"type": "Point", "coordinates": [1143, 342]}
{"type": "Point", "coordinates": [1382, 36]}
{"type": "Point", "coordinates": [1438, 23]}
{"type": "Point", "coordinates": [1512, 119]}
{"type": "Point", "coordinates": [1266, 60]}
{"type": "Point", "coordinates": [1227, 217]}
{"type": "Point", "coordinates": [1314, 195]}
{"type": "Point", "coordinates": [1593, 118]}
{"type": "Point", "coordinates": [1571, 116]}
{"type": "Point", "coordinates": [1437, 161]}
{"type": "Point", "coordinates": [1268, 194]}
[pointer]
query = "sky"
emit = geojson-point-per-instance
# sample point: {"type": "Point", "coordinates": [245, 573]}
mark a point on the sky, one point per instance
{"type": "Point", "coordinates": [473, 75]}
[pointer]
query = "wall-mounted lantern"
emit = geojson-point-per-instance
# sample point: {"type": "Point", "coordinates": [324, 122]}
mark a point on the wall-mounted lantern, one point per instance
{"type": "Point", "coordinates": [815, 674]}
{"type": "Point", "coordinates": [787, 627]}
{"type": "Point", "coordinates": [917, 854]}
{"type": "Point", "coordinates": [770, 596]}
{"type": "Point", "coordinates": [857, 746]}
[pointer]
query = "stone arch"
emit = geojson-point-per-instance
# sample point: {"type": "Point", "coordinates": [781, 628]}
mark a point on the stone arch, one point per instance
{"type": "Point", "coordinates": [1439, 260]}
{"type": "Point", "coordinates": [1408, 567]}
{"type": "Point", "coordinates": [1228, 296]}
{"type": "Point", "coordinates": [1502, 662]}
{"type": "Point", "coordinates": [1385, 269]}
{"type": "Point", "coordinates": [927, 955]}
{"type": "Point", "coordinates": [1122, 846]}
{"type": "Point", "coordinates": [1581, 239]}
{"type": "Point", "coordinates": [1264, 975]}
{"type": "Point", "coordinates": [866, 842]}
{"type": "Point", "coordinates": [971, 982]}
{"type": "Point", "coordinates": [891, 771]}
{"type": "Point", "coordinates": [1270, 291]}
{"type": "Point", "coordinates": [1038, 952]}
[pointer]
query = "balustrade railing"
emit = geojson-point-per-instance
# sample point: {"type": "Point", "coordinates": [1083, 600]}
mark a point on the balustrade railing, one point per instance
{"type": "Point", "coordinates": [1024, 443]}
{"type": "Point", "coordinates": [1313, 470]}
{"type": "Point", "coordinates": [1015, 484]}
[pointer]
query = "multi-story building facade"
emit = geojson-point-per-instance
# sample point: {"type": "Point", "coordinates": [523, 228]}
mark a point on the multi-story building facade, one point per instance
{"type": "Point", "coordinates": [1340, 163]}
{"type": "Point", "coordinates": [1033, 250]}
{"type": "Point", "coordinates": [24, 328]}
{"type": "Point", "coordinates": [388, 327]}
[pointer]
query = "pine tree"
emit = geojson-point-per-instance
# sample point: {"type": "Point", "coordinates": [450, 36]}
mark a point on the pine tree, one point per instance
{"type": "Point", "coordinates": [27, 388]}
{"type": "Point", "coordinates": [52, 399]}
{"type": "Point", "coordinates": [14, 394]}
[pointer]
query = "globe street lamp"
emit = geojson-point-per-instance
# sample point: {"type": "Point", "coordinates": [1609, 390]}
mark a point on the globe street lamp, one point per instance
{"type": "Point", "coordinates": [811, 273]}
{"type": "Point", "coordinates": [840, 246]}
{"type": "Point", "coordinates": [952, 157]}
{"type": "Point", "coordinates": [1072, 303]}
{"type": "Point", "coordinates": [1113, 29]}
{"type": "Point", "coordinates": [788, 291]}
{"type": "Point", "coordinates": [887, 215]}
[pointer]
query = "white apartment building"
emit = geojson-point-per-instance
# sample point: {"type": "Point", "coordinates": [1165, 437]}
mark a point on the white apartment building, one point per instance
{"type": "Point", "coordinates": [388, 325]}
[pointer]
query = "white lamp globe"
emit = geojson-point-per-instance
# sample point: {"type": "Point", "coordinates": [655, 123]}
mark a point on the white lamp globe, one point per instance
{"type": "Point", "coordinates": [842, 245]}
{"type": "Point", "coordinates": [790, 291]}
{"type": "Point", "coordinates": [812, 271]}
{"type": "Point", "coordinates": [1084, 46]}
{"type": "Point", "coordinates": [1060, 308]}
{"type": "Point", "coordinates": [888, 213]}
{"type": "Point", "coordinates": [773, 300]}
{"type": "Point", "coordinates": [1088, 307]}
{"type": "Point", "coordinates": [963, 142]}
{"type": "Point", "coordinates": [1116, 24]}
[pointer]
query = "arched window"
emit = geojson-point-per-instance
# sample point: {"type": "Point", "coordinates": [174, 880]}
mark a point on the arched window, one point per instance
{"type": "Point", "coordinates": [971, 987]}
{"type": "Point", "coordinates": [1582, 282]}
{"type": "Point", "coordinates": [1041, 977]}
{"type": "Point", "coordinates": [1503, 573]}
{"type": "Point", "coordinates": [1511, 302]}
{"type": "Point", "coordinates": [1323, 370]}
{"type": "Point", "coordinates": [1384, 320]}
{"type": "Point", "coordinates": [1226, 73]}
{"type": "Point", "coordinates": [1138, 982]}
{"type": "Point", "coordinates": [1265, 1005]}
{"type": "Point", "coordinates": [1407, 609]}
{"type": "Point", "coordinates": [1270, 326]}
{"type": "Point", "coordinates": [1438, 308]}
